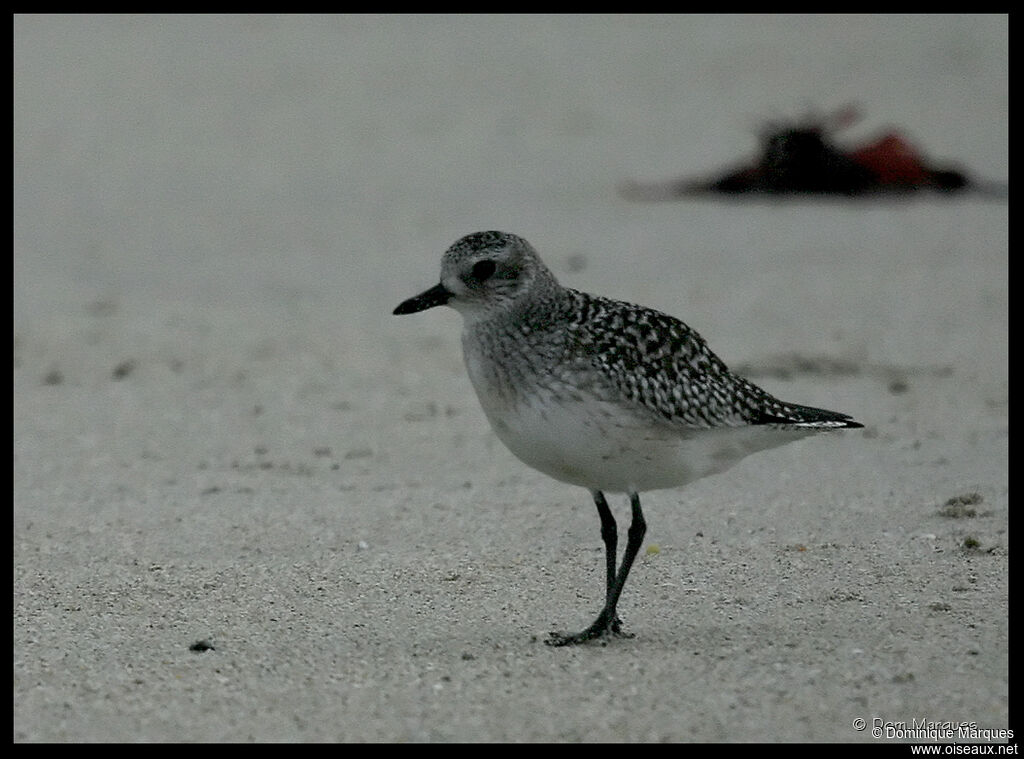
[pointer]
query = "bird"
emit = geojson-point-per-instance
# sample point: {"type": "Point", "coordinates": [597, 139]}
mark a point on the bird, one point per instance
{"type": "Point", "coordinates": [600, 393]}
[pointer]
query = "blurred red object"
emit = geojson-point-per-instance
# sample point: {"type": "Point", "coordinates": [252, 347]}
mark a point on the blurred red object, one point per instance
{"type": "Point", "coordinates": [803, 159]}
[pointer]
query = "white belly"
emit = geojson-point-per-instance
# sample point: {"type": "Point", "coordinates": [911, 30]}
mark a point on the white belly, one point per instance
{"type": "Point", "coordinates": [599, 445]}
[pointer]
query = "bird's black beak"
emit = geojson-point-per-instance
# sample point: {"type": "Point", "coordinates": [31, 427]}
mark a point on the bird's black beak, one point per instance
{"type": "Point", "coordinates": [437, 295]}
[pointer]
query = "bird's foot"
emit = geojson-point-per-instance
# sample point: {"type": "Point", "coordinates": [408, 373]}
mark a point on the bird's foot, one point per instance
{"type": "Point", "coordinates": [602, 628]}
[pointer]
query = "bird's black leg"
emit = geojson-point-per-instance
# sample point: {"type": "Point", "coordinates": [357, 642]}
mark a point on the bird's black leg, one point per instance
{"type": "Point", "coordinates": [608, 621]}
{"type": "Point", "coordinates": [610, 536]}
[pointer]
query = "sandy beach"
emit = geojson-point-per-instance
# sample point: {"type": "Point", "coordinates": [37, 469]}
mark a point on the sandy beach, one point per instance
{"type": "Point", "coordinates": [251, 505]}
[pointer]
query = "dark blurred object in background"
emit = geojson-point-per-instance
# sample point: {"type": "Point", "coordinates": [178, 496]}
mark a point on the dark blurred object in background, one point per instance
{"type": "Point", "coordinates": [803, 159]}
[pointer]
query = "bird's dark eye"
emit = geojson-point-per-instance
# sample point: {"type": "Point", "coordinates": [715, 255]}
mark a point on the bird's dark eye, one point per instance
{"type": "Point", "coordinates": [483, 269]}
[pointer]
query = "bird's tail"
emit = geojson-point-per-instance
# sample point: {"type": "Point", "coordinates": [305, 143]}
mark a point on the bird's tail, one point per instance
{"type": "Point", "coordinates": [805, 417]}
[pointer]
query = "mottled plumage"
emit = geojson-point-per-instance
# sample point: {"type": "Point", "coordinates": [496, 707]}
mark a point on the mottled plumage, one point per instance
{"type": "Point", "coordinates": [657, 362]}
{"type": "Point", "coordinates": [601, 393]}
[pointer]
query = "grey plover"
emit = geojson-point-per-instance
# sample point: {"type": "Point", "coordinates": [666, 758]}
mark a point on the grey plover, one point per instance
{"type": "Point", "coordinates": [599, 393]}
